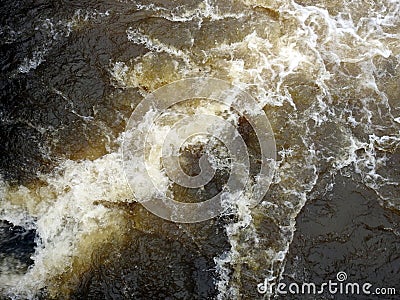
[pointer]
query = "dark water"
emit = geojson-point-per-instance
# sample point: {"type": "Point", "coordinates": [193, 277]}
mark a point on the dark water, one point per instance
{"type": "Point", "coordinates": [327, 75]}
{"type": "Point", "coordinates": [337, 231]}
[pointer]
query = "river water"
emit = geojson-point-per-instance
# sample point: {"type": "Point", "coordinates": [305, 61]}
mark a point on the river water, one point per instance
{"type": "Point", "coordinates": [326, 74]}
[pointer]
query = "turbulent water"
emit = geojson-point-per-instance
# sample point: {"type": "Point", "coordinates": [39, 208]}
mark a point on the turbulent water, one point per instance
{"type": "Point", "coordinates": [327, 75]}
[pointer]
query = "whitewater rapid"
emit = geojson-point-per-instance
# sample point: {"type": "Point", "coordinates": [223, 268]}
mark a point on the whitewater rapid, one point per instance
{"type": "Point", "coordinates": [325, 74]}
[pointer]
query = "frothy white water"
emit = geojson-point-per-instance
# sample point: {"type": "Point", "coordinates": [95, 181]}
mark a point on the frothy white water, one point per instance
{"type": "Point", "coordinates": [333, 56]}
{"type": "Point", "coordinates": [63, 213]}
{"type": "Point", "coordinates": [325, 79]}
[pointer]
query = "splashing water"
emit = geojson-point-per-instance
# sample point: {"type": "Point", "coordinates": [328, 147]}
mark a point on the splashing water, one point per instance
{"type": "Point", "coordinates": [326, 74]}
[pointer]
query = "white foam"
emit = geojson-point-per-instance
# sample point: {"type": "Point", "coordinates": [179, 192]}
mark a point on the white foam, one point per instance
{"type": "Point", "coordinates": [153, 44]}
{"type": "Point", "coordinates": [182, 14]}
{"type": "Point", "coordinates": [64, 213]}
{"type": "Point", "coordinates": [309, 44]}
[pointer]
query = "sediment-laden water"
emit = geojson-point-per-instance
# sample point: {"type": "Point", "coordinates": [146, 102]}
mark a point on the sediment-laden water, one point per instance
{"type": "Point", "coordinates": [326, 74]}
